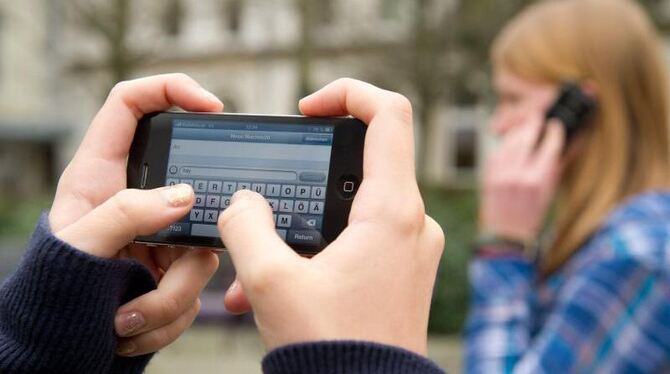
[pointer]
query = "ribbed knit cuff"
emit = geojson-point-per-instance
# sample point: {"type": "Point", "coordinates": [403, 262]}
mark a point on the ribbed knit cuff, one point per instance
{"type": "Point", "coordinates": [57, 311]}
{"type": "Point", "coordinates": [345, 357]}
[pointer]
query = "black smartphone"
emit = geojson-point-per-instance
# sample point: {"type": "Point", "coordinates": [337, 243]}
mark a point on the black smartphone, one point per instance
{"type": "Point", "coordinates": [307, 168]}
{"type": "Point", "coordinates": [573, 108]}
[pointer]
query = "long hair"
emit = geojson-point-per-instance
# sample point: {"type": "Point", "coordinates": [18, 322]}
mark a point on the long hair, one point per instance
{"type": "Point", "coordinates": [626, 148]}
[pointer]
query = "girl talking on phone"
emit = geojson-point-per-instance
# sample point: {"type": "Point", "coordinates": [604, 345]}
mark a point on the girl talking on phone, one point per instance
{"type": "Point", "coordinates": [594, 294]}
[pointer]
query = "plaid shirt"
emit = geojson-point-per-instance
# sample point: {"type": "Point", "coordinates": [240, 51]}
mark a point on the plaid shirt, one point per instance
{"type": "Point", "coordinates": [607, 310]}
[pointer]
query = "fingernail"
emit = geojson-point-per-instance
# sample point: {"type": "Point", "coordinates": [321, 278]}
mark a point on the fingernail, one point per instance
{"type": "Point", "coordinates": [178, 195]}
{"type": "Point", "coordinates": [126, 347]}
{"type": "Point", "coordinates": [211, 97]}
{"type": "Point", "coordinates": [128, 323]}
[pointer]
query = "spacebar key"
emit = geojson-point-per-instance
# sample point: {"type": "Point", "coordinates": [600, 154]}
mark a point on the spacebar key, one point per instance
{"type": "Point", "coordinates": [205, 230]}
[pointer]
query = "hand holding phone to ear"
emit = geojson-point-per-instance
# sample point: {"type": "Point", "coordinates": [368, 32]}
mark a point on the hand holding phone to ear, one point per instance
{"type": "Point", "coordinates": [520, 180]}
{"type": "Point", "coordinates": [375, 281]}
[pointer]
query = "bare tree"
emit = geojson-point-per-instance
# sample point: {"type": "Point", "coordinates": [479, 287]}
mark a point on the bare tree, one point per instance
{"type": "Point", "coordinates": [109, 23]}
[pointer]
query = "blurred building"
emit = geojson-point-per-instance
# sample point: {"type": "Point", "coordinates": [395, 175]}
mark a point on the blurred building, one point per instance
{"type": "Point", "coordinates": [255, 54]}
{"type": "Point", "coordinates": [32, 127]}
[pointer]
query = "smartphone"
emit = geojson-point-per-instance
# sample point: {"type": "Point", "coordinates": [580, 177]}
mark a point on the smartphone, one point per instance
{"type": "Point", "coordinates": [572, 108]}
{"type": "Point", "coordinates": [307, 168]}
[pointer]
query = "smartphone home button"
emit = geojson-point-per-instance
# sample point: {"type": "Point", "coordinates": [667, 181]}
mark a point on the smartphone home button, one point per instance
{"type": "Point", "coordinates": [348, 186]}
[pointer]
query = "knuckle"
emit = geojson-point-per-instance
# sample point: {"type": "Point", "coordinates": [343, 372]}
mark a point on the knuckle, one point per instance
{"type": "Point", "coordinates": [401, 104]}
{"type": "Point", "coordinates": [197, 306]}
{"type": "Point", "coordinates": [262, 279]}
{"type": "Point", "coordinates": [163, 337]}
{"type": "Point", "coordinates": [179, 76]}
{"type": "Point", "coordinates": [410, 219]}
{"type": "Point", "coordinates": [435, 235]}
{"type": "Point", "coordinates": [345, 81]}
{"type": "Point", "coordinates": [119, 88]}
{"type": "Point", "coordinates": [122, 204]}
{"type": "Point", "coordinates": [170, 307]}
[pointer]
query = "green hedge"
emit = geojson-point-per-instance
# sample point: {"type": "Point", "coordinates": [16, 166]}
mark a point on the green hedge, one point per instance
{"type": "Point", "coordinates": [19, 216]}
{"type": "Point", "coordinates": [456, 212]}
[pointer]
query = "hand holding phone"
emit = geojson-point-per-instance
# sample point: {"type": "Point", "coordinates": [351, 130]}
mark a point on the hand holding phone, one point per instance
{"type": "Point", "coordinates": [375, 281]}
{"type": "Point", "coordinates": [573, 108]}
{"type": "Point", "coordinates": [95, 213]}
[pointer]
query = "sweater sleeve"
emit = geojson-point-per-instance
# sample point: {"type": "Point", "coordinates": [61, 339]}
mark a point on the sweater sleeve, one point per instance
{"type": "Point", "coordinates": [346, 357]}
{"type": "Point", "coordinates": [57, 310]}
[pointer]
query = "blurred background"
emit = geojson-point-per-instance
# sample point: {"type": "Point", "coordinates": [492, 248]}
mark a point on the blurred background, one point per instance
{"type": "Point", "coordinates": [59, 58]}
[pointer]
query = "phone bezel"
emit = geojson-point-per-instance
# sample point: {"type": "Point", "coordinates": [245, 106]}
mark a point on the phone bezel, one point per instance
{"type": "Point", "coordinates": [151, 146]}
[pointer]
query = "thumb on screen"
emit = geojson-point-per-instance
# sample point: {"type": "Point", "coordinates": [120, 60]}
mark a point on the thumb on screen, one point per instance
{"type": "Point", "coordinates": [129, 213]}
{"type": "Point", "coordinates": [248, 232]}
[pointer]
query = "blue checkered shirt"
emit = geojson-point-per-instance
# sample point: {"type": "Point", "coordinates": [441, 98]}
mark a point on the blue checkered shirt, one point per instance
{"type": "Point", "coordinates": [607, 310]}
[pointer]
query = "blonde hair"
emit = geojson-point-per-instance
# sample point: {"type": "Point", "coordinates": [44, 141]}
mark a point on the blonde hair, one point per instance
{"type": "Point", "coordinates": [625, 151]}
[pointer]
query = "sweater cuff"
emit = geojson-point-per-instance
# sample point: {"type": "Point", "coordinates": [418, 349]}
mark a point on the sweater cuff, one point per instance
{"type": "Point", "coordinates": [60, 306]}
{"type": "Point", "coordinates": [345, 357]}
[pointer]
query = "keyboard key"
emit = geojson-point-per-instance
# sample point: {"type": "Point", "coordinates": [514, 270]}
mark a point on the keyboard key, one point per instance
{"type": "Point", "coordinates": [214, 187]}
{"type": "Point", "coordinates": [303, 192]}
{"type": "Point", "coordinates": [259, 187]}
{"type": "Point", "coordinates": [318, 192]}
{"type": "Point", "coordinates": [205, 230]}
{"type": "Point", "coordinates": [286, 206]}
{"type": "Point", "coordinates": [307, 237]}
{"type": "Point", "coordinates": [284, 220]}
{"type": "Point", "coordinates": [213, 201]}
{"type": "Point", "coordinates": [311, 176]}
{"type": "Point", "coordinates": [197, 215]}
{"type": "Point", "coordinates": [199, 201]}
{"type": "Point", "coordinates": [274, 218]}
{"type": "Point", "coordinates": [200, 186]}
{"type": "Point", "coordinates": [274, 203]}
{"type": "Point", "coordinates": [287, 191]}
{"type": "Point", "coordinates": [178, 228]}
{"type": "Point", "coordinates": [302, 206]}
{"type": "Point", "coordinates": [307, 222]}
{"type": "Point", "coordinates": [282, 234]}
{"type": "Point", "coordinates": [273, 190]}
{"type": "Point", "coordinates": [243, 186]}
{"type": "Point", "coordinates": [229, 187]}
{"type": "Point", "coordinates": [211, 215]}
{"type": "Point", "coordinates": [225, 201]}
{"type": "Point", "coordinates": [316, 207]}
{"type": "Point", "coordinates": [187, 181]}
{"type": "Point", "coordinates": [171, 182]}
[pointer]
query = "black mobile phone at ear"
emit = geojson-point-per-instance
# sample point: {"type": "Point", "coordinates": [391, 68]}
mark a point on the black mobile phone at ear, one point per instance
{"type": "Point", "coordinates": [308, 169]}
{"type": "Point", "coordinates": [573, 108]}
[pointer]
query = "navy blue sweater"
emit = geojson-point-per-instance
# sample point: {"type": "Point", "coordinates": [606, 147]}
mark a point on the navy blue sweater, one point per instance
{"type": "Point", "coordinates": [57, 316]}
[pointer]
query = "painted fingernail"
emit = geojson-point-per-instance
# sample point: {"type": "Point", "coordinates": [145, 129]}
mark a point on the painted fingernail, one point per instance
{"type": "Point", "coordinates": [128, 323]}
{"type": "Point", "coordinates": [210, 96]}
{"type": "Point", "coordinates": [126, 348]}
{"type": "Point", "coordinates": [178, 195]}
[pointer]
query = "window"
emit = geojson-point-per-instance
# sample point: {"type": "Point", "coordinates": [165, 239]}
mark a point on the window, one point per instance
{"type": "Point", "coordinates": [172, 18]}
{"type": "Point", "coordinates": [465, 157]}
{"type": "Point", "coordinates": [232, 15]}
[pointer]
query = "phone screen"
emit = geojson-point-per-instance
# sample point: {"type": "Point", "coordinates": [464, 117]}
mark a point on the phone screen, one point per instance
{"type": "Point", "coordinates": [286, 163]}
